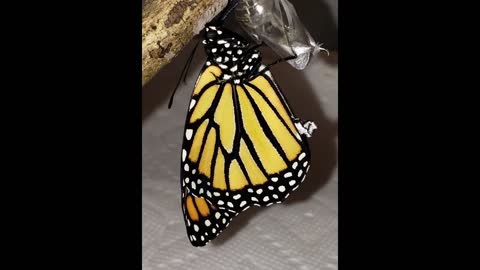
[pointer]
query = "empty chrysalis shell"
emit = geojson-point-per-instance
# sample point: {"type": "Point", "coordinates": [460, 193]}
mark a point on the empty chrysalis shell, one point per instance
{"type": "Point", "coordinates": [276, 23]}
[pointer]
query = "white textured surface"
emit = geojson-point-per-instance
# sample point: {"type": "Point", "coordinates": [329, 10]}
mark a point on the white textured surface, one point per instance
{"type": "Point", "coordinates": [298, 234]}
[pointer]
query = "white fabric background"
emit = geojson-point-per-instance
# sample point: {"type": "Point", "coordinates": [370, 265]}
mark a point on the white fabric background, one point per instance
{"type": "Point", "coordinates": [298, 234]}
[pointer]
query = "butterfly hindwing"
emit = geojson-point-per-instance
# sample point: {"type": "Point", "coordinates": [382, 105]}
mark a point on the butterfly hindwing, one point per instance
{"type": "Point", "coordinates": [203, 221]}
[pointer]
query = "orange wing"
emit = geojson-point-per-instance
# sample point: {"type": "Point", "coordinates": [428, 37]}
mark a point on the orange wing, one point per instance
{"type": "Point", "coordinates": [241, 144]}
{"type": "Point", "coordinates": [203, 221]}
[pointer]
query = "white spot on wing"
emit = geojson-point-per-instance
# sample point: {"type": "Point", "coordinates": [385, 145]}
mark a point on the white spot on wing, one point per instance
{"type": "Point", "coordinates": [192, 103]}
{"type": "Point", "coordinates": [188, 134]}
{"type": "Point", "coordinates": [184, 154]}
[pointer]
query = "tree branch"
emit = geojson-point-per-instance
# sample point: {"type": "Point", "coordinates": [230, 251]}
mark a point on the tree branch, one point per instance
{"type": "Point", "coordinates": [168, 25]}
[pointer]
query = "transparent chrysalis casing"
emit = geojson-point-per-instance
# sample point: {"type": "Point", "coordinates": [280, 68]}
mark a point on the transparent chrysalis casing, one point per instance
{"type": "Point", "coordinates": [276, 23]}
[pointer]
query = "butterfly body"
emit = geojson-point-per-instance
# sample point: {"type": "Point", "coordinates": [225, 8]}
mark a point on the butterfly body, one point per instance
{"type": "Point", "coordinates": [231, 53]}
{"type": "Point", "coordinates": [242, 146]}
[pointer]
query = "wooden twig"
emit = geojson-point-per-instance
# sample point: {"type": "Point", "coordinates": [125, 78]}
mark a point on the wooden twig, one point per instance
{"type": "Point", "coordinates": [168, 25]}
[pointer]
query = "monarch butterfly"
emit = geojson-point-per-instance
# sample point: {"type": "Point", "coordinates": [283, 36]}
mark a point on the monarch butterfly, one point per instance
{"type": "Point", "coordinates": [242, 145]}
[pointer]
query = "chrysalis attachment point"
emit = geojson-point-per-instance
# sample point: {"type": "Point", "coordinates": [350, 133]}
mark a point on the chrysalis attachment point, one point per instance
{"type": "Point", "coordinates": [276, 23]}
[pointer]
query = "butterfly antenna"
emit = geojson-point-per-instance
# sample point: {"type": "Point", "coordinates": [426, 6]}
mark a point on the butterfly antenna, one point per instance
{"type": "Point", "coordinates": [189, 61]}
{"type": "Point", "coordinates": [183, 74]}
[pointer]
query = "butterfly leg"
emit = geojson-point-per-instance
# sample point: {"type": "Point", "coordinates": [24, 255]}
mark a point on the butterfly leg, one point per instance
{"type": "Point", "coordinates": [232, 4]}
{"type": "Point", "coordinates": [305, 127]}
{"type": "Point", "coordinates": [280, 61]}
{"type": "Point", "coordinates": [255, 71]}
{"type": "Point", "coordinates": [255, 47]}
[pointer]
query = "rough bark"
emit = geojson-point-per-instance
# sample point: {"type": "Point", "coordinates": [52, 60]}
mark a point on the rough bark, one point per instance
{"type": "Point", "coordinates": [168, 25]}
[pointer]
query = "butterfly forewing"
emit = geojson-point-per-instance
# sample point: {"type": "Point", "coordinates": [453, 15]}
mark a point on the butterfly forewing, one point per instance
{"type": "Point", "coordinates": [241, 147]}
